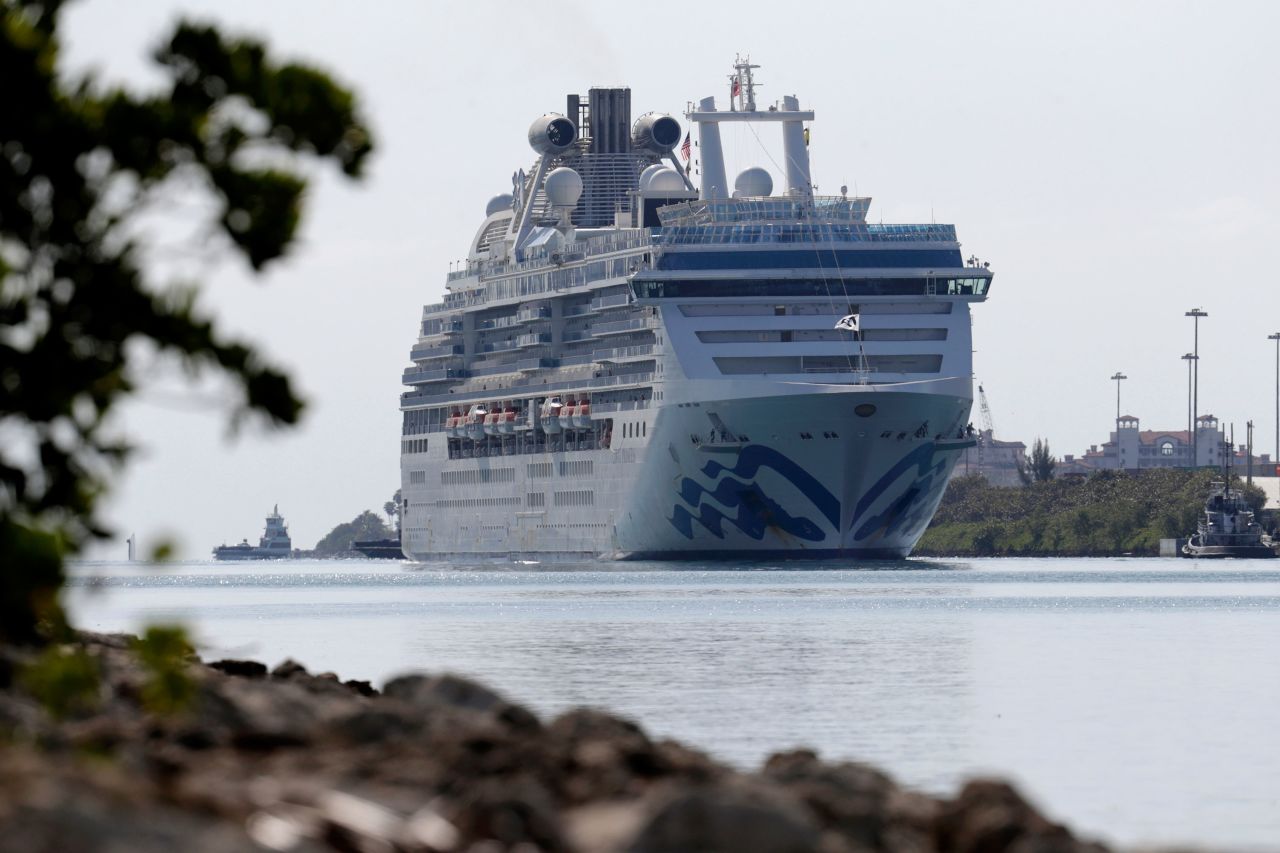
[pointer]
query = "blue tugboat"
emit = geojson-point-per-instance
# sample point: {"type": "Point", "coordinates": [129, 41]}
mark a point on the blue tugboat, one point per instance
{"type": "Point", "coordinates": [274, 544]}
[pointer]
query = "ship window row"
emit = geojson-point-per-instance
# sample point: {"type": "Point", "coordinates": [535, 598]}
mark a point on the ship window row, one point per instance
{"type": "Point", "coordinates": [476, 503]}
{"type": "Point", "coordinates": [417, 478]}
{"type": "Point", "coordinates": [810, 309]}
{"type": "Point", "coordinates": [832, 287]}
{"type": "Point", "coordinates": [822, 259]}
{"type": "Point", "coordinates": [540, 469]}
{"type": "Point", "coordinates": [774, 336]}
{"type": "Point", "coordinates": [581, 497]}
{"type": "Point", "coordinates": [418, 421]}
{"type": "Point", "coordinates": [536, 499]}
{"type": "Point", "coordinates": [529, 285]}
{"type": "Point", "coordinates": [578, 525]}
{"type": "Point", "coordinates": [414, 445]}
{"type": "Point", "coordinates": [477, 476]}
{"type": "Point", "coordinates": [635, 430]}
{"type": "Point", "coordinates": [577, 468]}
{"type": "Point", "coordinates": [852, 363]}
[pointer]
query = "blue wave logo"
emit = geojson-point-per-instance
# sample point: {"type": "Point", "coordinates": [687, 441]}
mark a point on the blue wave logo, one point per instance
{"type": "Point", "coordinates": [756, 512]}
{"type": "Point", "coordinates": [910, 509]}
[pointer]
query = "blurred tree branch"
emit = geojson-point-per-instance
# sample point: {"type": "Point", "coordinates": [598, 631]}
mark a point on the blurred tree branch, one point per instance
{"type": "Point", "coordinates": [79, 163]}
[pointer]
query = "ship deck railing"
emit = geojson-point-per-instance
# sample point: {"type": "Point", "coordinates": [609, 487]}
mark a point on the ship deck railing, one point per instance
{"type": "Point", "coordinates": [541, 259]}
{"type": "Point", "coordinates": [806, 233]}
{"type": "Point", "coordinates": [526, 387]}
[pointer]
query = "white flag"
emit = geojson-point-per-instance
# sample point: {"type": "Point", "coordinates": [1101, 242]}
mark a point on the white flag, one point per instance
{"type": "Point", "coordinates": [849, 323]}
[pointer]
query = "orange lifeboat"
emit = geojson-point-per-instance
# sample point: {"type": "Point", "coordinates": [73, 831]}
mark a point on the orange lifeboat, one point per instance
{"type": "Point", "coordinates": [567, 414]}
{"type": "Point", "coordinates": [507, 423]}
{"type": "Point", "coordinates": [453, 424]}
{"type": "Point", "coordinates": [582, 416]}
{"type": "Point", "coordinates": [492, 421]}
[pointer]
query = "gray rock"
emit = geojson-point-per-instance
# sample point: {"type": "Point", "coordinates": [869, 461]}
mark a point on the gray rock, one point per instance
{"type": "Point", "coordinates": [243, 668]}
{"type": "Point", "coordinates": [459, 693]}
{"type": "Point", "coordinates": [728, 819]}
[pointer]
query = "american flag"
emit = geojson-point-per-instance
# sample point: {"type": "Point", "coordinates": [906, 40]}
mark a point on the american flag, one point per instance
{"type": "Point", "coordinates": [685, 148]}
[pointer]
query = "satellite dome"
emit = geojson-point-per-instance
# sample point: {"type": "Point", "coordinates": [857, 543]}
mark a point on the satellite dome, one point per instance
{"type": "Point", "coordinates": [665, 180]}
{"type": "Point", "coordinates": [753, 183]}
{"type": "Point", "coordinates": [649, 173]}
{"type": "Point", "coordinates": [498, 203]}
{"type": "Point", "coordinates": [563, 187]}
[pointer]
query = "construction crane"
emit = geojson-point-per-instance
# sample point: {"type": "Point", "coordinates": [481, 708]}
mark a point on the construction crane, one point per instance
{"type": "Point", "coordinates": [988, 431]}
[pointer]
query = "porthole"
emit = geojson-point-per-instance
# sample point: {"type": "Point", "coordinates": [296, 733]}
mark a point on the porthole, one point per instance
{"type": "Point", "coordinates": [864, 410]}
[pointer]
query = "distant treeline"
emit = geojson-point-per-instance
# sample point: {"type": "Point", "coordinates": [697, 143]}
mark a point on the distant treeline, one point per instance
{"type": "Point", "coordinates": [1108, 514]}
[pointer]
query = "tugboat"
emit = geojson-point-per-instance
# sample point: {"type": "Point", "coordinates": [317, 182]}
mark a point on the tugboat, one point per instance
{"type": "Point", "coordinates": [1227, 528]}
{"type": "Point", "coordinates": [274, 544]}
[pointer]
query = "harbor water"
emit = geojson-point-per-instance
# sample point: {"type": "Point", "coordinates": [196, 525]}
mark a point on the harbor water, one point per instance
{"type": "Point", "coordinates": [1137, 700]}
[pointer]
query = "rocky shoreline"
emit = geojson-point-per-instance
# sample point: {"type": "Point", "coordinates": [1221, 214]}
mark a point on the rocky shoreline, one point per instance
{"type": "Point", "coordinates": [282, 759]}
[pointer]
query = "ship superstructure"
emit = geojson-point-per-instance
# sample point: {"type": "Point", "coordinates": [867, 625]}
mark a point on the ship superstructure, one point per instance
{"type": "Point", "coordinates": [273, 545]}
{"type": "Point", "coordinates": [630, 366]}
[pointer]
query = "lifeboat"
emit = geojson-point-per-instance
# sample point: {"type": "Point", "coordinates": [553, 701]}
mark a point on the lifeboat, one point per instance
{"type": "Point", "coordinates": [474, 422]}
{"type": "Point", "coordinates": [453, 424]}
{"type": "Point", "coordinates": [492, 421]}
{"type": "Point", "coordinates": [507, 423]}
{"type": "Point", "coordinates": [550, 414]}
{"type": "Point", "coordinates": [567, 413]}
{"type": "Point", "coordinates": [582, 416]}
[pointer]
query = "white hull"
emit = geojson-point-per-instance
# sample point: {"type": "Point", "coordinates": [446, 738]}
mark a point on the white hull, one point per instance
{"type": "Point", "coordinates": [856, 486]}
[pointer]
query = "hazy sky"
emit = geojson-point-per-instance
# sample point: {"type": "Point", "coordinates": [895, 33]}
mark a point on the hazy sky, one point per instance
{"type": "Point", "coordinates": [1115, 162]}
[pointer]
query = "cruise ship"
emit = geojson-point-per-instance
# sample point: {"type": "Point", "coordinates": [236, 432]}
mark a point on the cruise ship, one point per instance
{"type": "Point", "coordinates": [638, 360]}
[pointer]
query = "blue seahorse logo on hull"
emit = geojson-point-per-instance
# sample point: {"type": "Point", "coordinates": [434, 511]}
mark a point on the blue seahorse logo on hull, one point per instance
{"type": "Point", "coordinates": [756, 511]}
{"type": "Point", "coordinates": [910, 509]}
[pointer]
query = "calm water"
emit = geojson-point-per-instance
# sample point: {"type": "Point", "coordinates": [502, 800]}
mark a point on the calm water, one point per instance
{"type": "Point", "coordinates": [1137, 699]}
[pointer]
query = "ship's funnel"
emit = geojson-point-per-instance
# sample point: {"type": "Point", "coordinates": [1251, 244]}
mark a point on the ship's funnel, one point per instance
{"type": "Point", "coordinates": [655, 132]}
{"type": "Point", "coordinates": [552, 134]}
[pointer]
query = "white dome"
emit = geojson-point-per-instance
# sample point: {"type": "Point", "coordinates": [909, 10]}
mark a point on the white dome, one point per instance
{"type": "Point", "coordinates": [649, 172]}
{"type": "Point", "coordinates": [666, 180]}
{"type": "Point", "coordinates": [498, 203]}
{"type": "Point", "coordinates": [563, 187]}
{"type": "Point", "coordinates": [753, 183]}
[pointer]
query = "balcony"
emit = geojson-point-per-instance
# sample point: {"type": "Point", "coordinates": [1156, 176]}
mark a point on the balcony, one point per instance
{"type": "Point", "coordinates": [530, 313]}
{"type": "Point", "coordinates": [422, 352]}
{"type": "Point", "coordinates": [426, 377]}
{"type": "Point", "coordinates": [621, 327]}
{"type": "Point", "coordinates": [620, 355]}
{"type": "Point", "coordinates": [600, 303]}
{"type": "Point", "coordinates": [533, 339]}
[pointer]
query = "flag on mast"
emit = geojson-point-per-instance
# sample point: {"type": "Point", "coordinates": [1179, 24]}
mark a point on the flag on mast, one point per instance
{"type": "Point", "coordinates": [685, 148]}
{"type": "Point", "coordinates": [848, 323]}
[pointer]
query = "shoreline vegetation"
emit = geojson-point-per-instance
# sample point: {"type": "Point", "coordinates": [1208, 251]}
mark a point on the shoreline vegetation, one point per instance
{"type": "Point", "coordinates": [111, 742]}
{"type": "Point", "coordinates": [1108, 514]}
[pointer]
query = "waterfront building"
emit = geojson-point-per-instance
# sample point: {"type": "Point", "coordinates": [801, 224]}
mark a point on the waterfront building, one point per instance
{"type": "Point", "coordinates": [1131, 448]}
{"type": "Point", "coordinates": [1000, 463]}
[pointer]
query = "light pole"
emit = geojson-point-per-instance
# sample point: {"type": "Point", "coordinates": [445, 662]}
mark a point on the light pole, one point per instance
{"type": "Point", "coordinates": [1195, 314]}
{"type": "Point", "coordinates": [1276, 458]}
{"type": "Point", "coordinates": [1118, 376]}
{"type": "Point", "coordinates": [1189, 358]}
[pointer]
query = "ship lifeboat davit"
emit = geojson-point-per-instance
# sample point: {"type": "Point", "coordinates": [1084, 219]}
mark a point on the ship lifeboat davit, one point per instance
{"type": "Point", "coordinates": [582, 415]}
{"type": "Point", "coordinates": [474, 426]}
{"type": "Point", "coordinates": [550, 414]}
{"type": "Point", "coordinates": [567, 414]}
{"type": "Point", "coordinates": [492, 421]}
{"type": "Point", "coordinates": [507, 423]}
